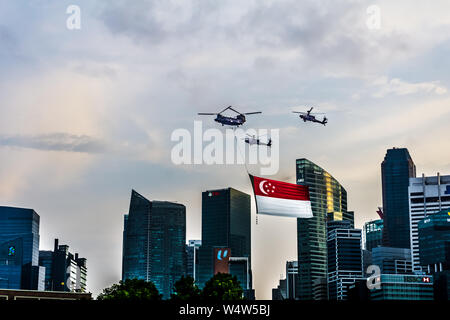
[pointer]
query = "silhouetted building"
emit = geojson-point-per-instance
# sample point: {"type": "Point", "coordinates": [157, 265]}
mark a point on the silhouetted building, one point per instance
{"type": "Point", "coordinates": [427, 195]}
{"type": "Point", "coordinates": [344, 258]}
{"type": "Point", "coordinates": [49, 296]}
{"type": "Point", "coordinates": [280, 293]}
{"type": "Point", "coordinates": [64, 271]}
{"type": "Point", "coordinates": [373, 234]}
{"type": "Point", "coordinates": [226, 223]}
{"type": "Point", "coordinates": [154, 241]}
{"type": "Point", "coordinates": [328, 199]}
{"type": "Point", "coordinates": [19, 249]}
{"type": "Point", "coordinates": [396, 170]}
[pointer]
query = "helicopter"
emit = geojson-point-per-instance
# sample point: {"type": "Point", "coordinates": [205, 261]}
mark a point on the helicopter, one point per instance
{"type": "Point", "coordinates": [256, 140]}
{"type": "Point", "coordinates": [308, 116]}
{"type": "Point", "coordinates": [237, 121]}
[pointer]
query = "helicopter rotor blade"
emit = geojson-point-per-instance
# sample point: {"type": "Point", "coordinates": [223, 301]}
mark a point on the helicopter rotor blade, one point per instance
{"type": "Point", "coordinates": [207, 114]}
{"type": "Point", "coordinates": [256, 112]}
{"type": "Point", "coordinates": [231, 108]}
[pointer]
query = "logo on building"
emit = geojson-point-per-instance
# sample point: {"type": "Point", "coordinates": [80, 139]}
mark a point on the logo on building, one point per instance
{"type": "Point", "coordinates": [221, 260]}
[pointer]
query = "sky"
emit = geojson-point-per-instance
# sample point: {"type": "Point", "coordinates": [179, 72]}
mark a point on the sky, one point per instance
{"type": "Point", "coordinates": [87, 114]}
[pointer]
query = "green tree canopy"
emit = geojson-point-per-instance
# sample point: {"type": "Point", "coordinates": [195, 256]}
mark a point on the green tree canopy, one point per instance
{"type": "Point", "coordinates": [131, 289]}
{"type": "Point", "coordinates": [186, 289]}
{"type": "Point", "coordinates": [222, 286]}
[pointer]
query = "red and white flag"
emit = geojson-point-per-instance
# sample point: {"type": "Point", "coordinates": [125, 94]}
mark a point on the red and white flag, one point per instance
{"type": "Point", "coordinates": [279, 198]}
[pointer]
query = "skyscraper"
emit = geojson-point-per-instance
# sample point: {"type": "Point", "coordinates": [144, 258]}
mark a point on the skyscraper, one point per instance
{"type": "Point", "coordinates": [396, 169]}
{"type": "Point", "coordinates": [328, 201]}
{"type": "Point", "coordinates": [63, 270]}
{"type": "Point", "coordinates": [19, 249]}
{"type": "Point", "coordinates": [344, 258]}
{"type": "Point", "coordinates": [154, 240]}
{"type": "Point", "coordinates": [226, 224]}
{"type": "Point", "coordinates": [427, 195]}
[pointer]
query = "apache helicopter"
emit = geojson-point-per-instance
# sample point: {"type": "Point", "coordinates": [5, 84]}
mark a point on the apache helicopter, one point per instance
{"type": "Point", "coordinates": [308, 116]}
{"type": "Point", "coordinates": [237, 121]}
{"type": "Point", "coordinates": [256, 140]}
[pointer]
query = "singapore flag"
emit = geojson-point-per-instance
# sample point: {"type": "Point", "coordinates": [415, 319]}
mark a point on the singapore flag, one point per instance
{"type": "Point", "coordinates": [279, 198]}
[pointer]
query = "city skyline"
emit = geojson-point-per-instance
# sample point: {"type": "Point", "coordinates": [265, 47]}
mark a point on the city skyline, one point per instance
{"type": "Point", "coordinates": [87, 114]}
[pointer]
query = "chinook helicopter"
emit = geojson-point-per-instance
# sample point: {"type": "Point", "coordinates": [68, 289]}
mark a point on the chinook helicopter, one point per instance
{"type": "Point", "coordinates": [236, 121]}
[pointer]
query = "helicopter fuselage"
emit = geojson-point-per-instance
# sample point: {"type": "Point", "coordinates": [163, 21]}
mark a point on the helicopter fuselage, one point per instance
{"type": "Point", "coordinates": [308, 117]}
{"type": "Point", "coordinates": [230, 121]}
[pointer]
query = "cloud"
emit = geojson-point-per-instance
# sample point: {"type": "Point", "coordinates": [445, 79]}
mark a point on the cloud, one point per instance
{"type": "Point", "coordinates": [384, 86]}
{"type": "Point", "coordinates": [55, 142]}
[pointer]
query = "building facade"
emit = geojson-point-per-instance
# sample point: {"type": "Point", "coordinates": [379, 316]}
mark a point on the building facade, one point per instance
{"type": "Point", "coordinates": [373, 232]}
{"type": "Point", "coordinates": [192, 258]}
{"type": "Point", "coordinates": [396, 169]}
{"type": "Point", "coordinates": [19, 249]}
{"type": "Point", "coordinates": [403, 287]}
{"type": "Point", "coordinates": [328, 198]}
{"type": "Point", "coordinates": [64, 271]}
{"type": "Point", "coordinates": [392, 260]}
{"type": "Point", "coordinates": [154, 241]}
{"type": "Point", "coordinates": [434, 242]}
{"type": "Point", "coordinates": [427, 195]}
{"type": "Point", "coordinates": [226, 223]}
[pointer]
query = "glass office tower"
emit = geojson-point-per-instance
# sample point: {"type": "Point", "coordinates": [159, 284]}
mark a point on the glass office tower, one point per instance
{"type": "Point", "coordinates": [396, 169]}
{"type": "Point", "coordinates": [328, 199]}
{"type": "Point", "coordinates": [154, 240]}
{"type": "Point", "coordinates": [19, 249]}
{"type": "Point", "coordinates": [226, 224]}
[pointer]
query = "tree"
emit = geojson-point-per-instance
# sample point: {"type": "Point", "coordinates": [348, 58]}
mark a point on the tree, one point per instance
{"type": "Point", "coordinates": [131, 289]}
{"type": "Point", "coordinates": [222, 286]}
{"type": "Point", "coordinates": [186, 289]}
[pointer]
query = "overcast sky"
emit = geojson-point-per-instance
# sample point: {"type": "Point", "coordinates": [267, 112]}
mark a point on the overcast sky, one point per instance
{"type": "Point", "coordinates": [86, 115]}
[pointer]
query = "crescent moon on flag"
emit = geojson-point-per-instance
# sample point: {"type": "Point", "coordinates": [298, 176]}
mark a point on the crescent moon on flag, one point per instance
{"type": "Point", "coordinates": [261, 186]}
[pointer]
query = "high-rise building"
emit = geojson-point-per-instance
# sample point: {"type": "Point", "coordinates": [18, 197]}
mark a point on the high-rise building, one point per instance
{"type": "Point", "coordinates": [396, 169]}
{"type": "Point", "coordinates": [328, 199]}
{"type": "Point", "coordinates": [345, 265]}
{"type": "Point", "coordinates": [373, 231]}
{"type": "Point", "coordinates": [434, 249]}
{"type": "Point", "coordinates": [154, 241]}
{"type": "Point", "coordinates": [427, 195]}
{"type": "Point", "coordinates": [226, 223]}
{"type": "Point", "coordinates": [392, 260]}
{"type": "Point", "coordinates": [19, 249]}
{"type": "Point", "coordinates": [64, 271]}
{"type": "Point", "coordinates": [192, 258]}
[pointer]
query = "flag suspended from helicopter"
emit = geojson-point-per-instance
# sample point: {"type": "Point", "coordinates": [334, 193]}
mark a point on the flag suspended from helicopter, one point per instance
{"type": "Point", "coordinates": [278, 198]}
